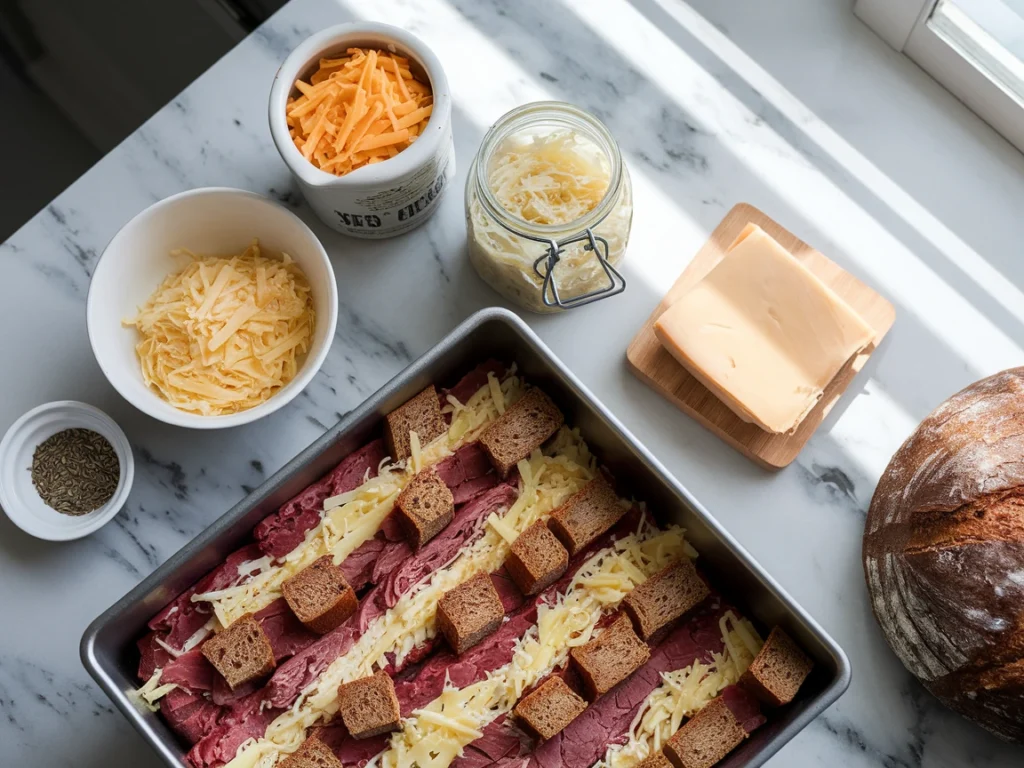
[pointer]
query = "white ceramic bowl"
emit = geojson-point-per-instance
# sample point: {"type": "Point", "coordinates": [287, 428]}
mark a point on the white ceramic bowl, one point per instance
{"type": "Point", "coordinates": [207, 221]}
{"type": "Point", "coordinates": [19, 497]}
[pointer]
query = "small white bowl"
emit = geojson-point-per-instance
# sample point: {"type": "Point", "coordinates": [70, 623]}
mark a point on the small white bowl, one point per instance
{"type": "Point", "coordinates": [18, 495]}
{"type": "Point", "coordinates": [213, 220]}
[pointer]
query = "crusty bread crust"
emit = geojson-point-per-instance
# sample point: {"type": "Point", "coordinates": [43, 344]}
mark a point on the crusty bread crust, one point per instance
{"type": "Point", "coordinates": [312, 753]}
{"type": "Point", "coordinates": [369, 706]}
{"type": "Point", "coordinates": [608, 659]}
{"type": "Point", "coordinates": [665, 597]}
{"type": "Point", "coordinates": [944, 550]}
{"type": "Point", "coordinates": [241, 653]}
{"type": "Point", "coordinates": [422, 415]}
{"type": "Point", "coordinates": [706, 738]}
{"type": "Point", "coordinates": [549, 708]}
{"type": "Point", "coordinates": [469, 613]}
{"type": "Point", "coordinates": [775, 675]}
{"type": "Point", "coordinates": [537, 559]}
{"type": "Point", "coordinates": [319, 596]}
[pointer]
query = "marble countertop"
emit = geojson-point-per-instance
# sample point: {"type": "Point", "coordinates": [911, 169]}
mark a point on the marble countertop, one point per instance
{"type": "Point", "coordinates": [793, 106]}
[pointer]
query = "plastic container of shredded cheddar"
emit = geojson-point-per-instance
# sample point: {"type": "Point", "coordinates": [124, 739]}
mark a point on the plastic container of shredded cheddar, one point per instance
{"type": "Point", "coordinates": [549, 206]}
{"type": "Point", "coordinates": [386, 198]}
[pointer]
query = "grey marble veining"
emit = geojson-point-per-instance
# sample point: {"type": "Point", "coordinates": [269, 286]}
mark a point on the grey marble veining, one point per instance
{"type": "Point", "coordinates": [791, 105]}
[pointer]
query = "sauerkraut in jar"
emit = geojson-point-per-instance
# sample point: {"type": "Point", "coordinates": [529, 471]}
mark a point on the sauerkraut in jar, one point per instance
{"type": "Point", "coordinates": [548, 195]}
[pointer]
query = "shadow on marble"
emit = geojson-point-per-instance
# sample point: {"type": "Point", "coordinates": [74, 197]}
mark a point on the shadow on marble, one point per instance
{"type": "Point", "coordinates": [917, 186]}
{"type": "Point", "coordinates": [688, 156]}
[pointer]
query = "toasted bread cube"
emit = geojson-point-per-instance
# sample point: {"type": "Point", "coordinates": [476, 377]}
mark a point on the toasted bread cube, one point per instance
{"type": "Point", "coordinates": [241, 653]}
{"type": "Point", "coordinates": [706, 738]}
{"type": "Point", "coordinates": [312, 753]}
{"type": "Point", "coordinates": [537, 559]}
{"type": "Point", "coordinates": [368, 706]}
{"type": "Point", "coordinates": [657, 760]}
{"type": "Point", "coordinates": [319, 595]}
{"type": "Point", "coordinates": [422, 415]}
{"type": "Point", "coordinates": [777, 672]}
{"type": "Point", "coordinates": [524, 426]}
{"type": "Point", "coordinates": [586, 515]}
{"type": "Point", "coordinates": [469, 613]}
{"type": "Point", "coordinates": [549, 708]}
{"type": "Point", "coordinates": [610, 658]}
{"type": "Point", "coordinates": [665, 597]}
{"type": "Point", "coordinates": [425, 507]}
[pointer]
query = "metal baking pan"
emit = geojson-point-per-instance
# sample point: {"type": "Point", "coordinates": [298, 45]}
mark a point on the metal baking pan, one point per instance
{"type": "Point", "coordinates": [108, 647]}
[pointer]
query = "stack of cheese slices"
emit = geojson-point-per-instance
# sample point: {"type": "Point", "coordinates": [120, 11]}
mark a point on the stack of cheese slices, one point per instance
{"type": "Point", "coordinates": [763, 333]}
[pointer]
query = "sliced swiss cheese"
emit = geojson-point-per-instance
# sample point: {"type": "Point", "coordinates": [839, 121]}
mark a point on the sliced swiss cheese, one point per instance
{"type": "Point", "coordinates": [763, 333]}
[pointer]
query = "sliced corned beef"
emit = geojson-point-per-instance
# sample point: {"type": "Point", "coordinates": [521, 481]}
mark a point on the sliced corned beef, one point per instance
{"type": "Point", "coordinates": [351, 752]}
{"type": "Point", "coordinates": [502, 744]}
{"type": "Point", "coordinates": [467, 472]}
{"type": "Point", "coordinates": [284, 530]}
{"type": "Point", "coordinates": [151, 655]}
{"type": "Point", "coordinates": [191, 715]}
{"type": "Point", "coordinates": [607, 720]}
{"type": "Point", "coordinates": [744, 708]}
{"type": "Point", "coordinates": [358, 566]}
{"type": "Point", "coordinates": [220, 745]}
{"type": "Point", "coordinates": [472, 381]}
{"type": "Point", "coordinates": [191, 671]}
{"type": "Point", "coordinates": [304, 667]}
{"type": "Point", "coordinates": [467, 526]}
{"type": "Point", "coordinates": [182, 618]}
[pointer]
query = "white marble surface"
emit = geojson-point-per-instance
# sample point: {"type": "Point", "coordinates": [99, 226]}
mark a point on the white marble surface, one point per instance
{"type": "Point", "coordinates": [792, 105]}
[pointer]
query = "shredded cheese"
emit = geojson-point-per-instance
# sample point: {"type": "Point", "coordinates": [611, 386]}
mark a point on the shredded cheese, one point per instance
{"type": "Point", "coordinates": [152, 691]}
{"type": "Point", "coordinates": [545, 482]}
{"type": "Point", "coordinates": [434, 735]}
{"type": "Point", "coordinates": [357, 110]}
{"type": "Point", "coordinates": [225, 333]}
{"type": "Point", "coordinates": [352, 518]}
{"type": "Point", "coordinates": [554, 178]}
{"type": "Point", "coordinates": [684, 692]}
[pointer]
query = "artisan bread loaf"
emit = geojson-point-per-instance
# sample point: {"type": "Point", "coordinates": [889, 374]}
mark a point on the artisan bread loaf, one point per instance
{"type": "Point", "coordinates": [944, 553]}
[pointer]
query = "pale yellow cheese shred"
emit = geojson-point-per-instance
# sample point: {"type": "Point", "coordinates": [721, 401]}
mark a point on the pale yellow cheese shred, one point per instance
{"type": "Point", "coordinates": [225, 333]}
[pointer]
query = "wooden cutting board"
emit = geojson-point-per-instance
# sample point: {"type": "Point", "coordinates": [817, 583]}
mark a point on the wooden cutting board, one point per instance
{"type": "Point", "coordinates": [649, 360]}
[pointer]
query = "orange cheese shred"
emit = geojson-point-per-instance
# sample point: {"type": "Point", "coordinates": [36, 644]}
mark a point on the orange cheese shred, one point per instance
{"type": "Point", "coordinates": [358, 109]}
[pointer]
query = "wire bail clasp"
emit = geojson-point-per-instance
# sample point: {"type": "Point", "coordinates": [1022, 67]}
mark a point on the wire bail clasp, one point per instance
{"type": "Point", "coordinates": [549, 289]}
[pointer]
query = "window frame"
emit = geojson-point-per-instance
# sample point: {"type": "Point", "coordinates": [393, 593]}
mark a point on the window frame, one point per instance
{"type": "Point", "coordinates": [903, 24]}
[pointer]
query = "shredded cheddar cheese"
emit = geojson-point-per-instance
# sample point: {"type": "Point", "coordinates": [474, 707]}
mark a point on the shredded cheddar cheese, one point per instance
{"type": "Point", "coordinates": [684, 692]}
{"type": "Point", "coordinates": [358, 109]}
{"type": "Point", "coordinates": [350, 519]}
{"type": "Point", "coordinates": [224, 334]}
{"type": "Point", "coordinates": [545, 482]}
{"type": "Point", "coordinates": [436, 734]}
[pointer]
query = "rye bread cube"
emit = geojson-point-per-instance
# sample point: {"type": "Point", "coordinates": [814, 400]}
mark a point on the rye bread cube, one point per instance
{"type": "Point", "coordinates": [706, 738]}
{"type": "Point", "coordinates": [469, 613]}
{"type": "Point", "coordinates": [537, 559]}
{"type": "Point", "coordinates": [425, 507]}
{"type": "Point", "coordinates": [369, 706]}
{"type": "Point", "coordinates": [610, 658]}
{"type": "Point", "coordinates": [549, 708]}
{"type": "Point", "coordinates": [241, 653]}
{"type": "Point", "coordinates": [777, 672]}
{"type": "Point", "coordinates": [319, 596]}
{"type": "Point", "coordinates": [665, 597]}
{"type": "Point", "coordinates": [586, 514]}
{"type": "Point", "coordinates": [524, 426]}
{"type": "Point", "coordinates": [657, 760]}
{"type": "Point", "coordinates": [422, 415]}
{"type": "Point", "coordinates": [312, 753]}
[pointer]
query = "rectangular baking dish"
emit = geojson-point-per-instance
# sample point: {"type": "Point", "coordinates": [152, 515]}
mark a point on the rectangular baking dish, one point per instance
{"type": "Point", "coordinates": [108, 646]}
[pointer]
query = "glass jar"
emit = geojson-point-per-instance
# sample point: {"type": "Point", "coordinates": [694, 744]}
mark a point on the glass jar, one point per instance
{"type": "Point", "coordinates": [548, 267]}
